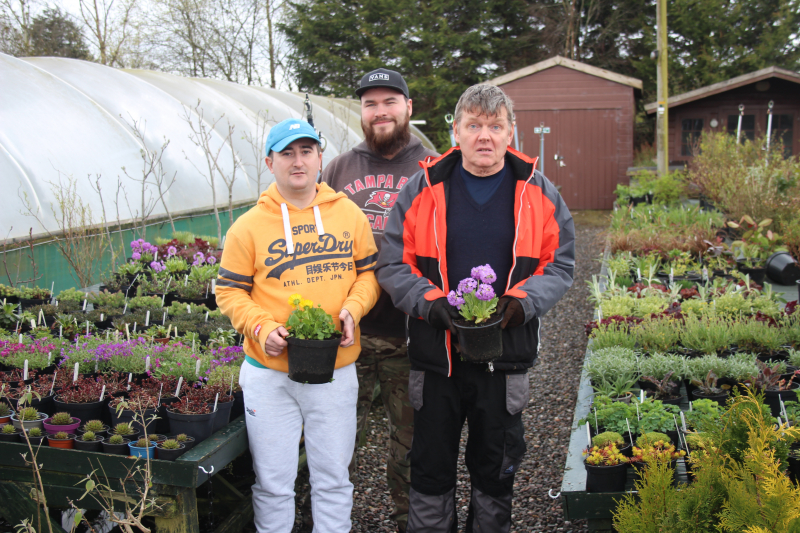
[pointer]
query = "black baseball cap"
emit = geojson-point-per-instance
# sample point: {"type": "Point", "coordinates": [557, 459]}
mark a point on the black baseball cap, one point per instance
{"type": "Point", "coordinates": [382, 78]}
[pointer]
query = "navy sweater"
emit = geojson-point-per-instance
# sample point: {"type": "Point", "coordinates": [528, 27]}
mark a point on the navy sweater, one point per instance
{"type": "Point", "coordinates": [480, 232]}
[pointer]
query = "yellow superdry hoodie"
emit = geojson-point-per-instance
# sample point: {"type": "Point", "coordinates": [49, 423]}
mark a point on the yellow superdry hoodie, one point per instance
{"type": "Point", "coordinates": [325, 252]}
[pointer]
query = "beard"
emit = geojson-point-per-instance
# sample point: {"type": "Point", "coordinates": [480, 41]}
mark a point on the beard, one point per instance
{"type": "Point", "coordinates": [390, 143]}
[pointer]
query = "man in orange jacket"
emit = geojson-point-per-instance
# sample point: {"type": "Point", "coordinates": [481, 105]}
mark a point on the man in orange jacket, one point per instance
{"type": "Point", "coordinates": [479, 204]}
{"type": "Point", "coordinates": [301, 244]}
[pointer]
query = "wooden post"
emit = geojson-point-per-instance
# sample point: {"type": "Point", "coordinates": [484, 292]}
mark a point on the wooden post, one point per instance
{"type": "Point", "coordinates": [184, 518]}
{"type": "Point", "coordinates": [662, 113]}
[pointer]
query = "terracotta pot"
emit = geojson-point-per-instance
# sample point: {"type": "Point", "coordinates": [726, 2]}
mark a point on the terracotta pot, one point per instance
{"type": "Point", "coordinates": [67, 444]}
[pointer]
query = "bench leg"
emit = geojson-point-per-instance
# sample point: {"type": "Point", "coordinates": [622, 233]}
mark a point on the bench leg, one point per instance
{"type": "Point", "coordinates": [184, 519]}
{"type": "Point", "coordinates": [16, 505]}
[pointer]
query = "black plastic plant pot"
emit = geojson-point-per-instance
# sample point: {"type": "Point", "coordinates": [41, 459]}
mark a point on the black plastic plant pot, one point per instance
{"type": "Point", "coordinates": [11, 437]}
{"type": "Point", "coordinates": [170, 455]}
{"type": "Point", "coordinates": [117, 449]}
{"type": "Point", "coordinates": [32, 302]}
{"type": "Point", "coordinates": [198, 426]}
{"type": "Point", "coordinates": [162, 424]}
{"type": "Point", "coordinates": [480, 343]}
{"type": "Point", "coordinates": [757, 275]}
{"type": "Point", "coordinates": [238, 404]}
{"type": "Point", "coordinates": [719, 398]}
{"type": "Point", "coordinates": [223, 414]}
{"type": "Point", "coordinates": [35, 441]}
{"type": "Point", "coordinates": [45, 404]}
{"type": "Point", "coordinates": [103, 433]}
{"type": "Point", "coordinates": [89, 445]}
{"type": "Point", "coordinates": [773, 398]}
{"type": "Point", "coordinates": [84, 411]}
{"type": "Point", "coordinates": [783, 269]}
{"type": "Point", "coordinates": [606, 478]}
{"type": "Point", "coordinates": [312, 361]}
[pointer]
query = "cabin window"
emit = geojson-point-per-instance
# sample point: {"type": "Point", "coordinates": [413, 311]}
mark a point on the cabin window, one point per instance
{"type": "Point", "coordinates": [691, 128]}
{"type": "Point", "coordinates": [748, 126]}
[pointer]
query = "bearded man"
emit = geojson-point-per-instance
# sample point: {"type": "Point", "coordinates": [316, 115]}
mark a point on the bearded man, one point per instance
{"type": "Point", "coordinates": [372, 175]}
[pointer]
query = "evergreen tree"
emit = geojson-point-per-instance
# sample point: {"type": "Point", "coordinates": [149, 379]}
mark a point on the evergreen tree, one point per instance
{"type": "Point", "coordinates": [54, 33]}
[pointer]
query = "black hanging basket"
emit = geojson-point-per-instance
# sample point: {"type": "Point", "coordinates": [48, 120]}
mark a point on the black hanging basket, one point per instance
{"type": "Point", "coordinates": [480, 343]}
{"type": "Point", "coordinates": [312, 361]}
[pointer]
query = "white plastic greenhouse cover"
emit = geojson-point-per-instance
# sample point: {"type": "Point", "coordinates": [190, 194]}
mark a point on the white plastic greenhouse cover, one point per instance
{"type": "Point", "coordinates": [66, 117]}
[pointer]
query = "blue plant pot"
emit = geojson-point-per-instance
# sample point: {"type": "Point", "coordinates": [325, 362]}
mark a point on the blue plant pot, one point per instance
{"type": "Point", "coordinates": [144, 453]}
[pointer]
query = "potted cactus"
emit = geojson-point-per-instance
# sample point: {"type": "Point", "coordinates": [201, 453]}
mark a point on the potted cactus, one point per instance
{"type": "Point", "coordinates": [5, 413]}
{"type": "Point", "coordinates": [95, 426]}
{"type": "Point", "coordinates": [27, 418]}
{"type": "Point", "coordinates": [35, 436]}
{"type": "Point", "coordinates": [9, 433]}
{"type": "Point", "coordinates": [143, 448]}
{"type": "Point", "coordinates": [61, 422]}
{"type": "Point", "coordinates": [170, 449]}
{"type": "Point", "coordinates": [89, 442]}
{"type": "Point", "coordinates": [61, 439]}
{"type": "Point", "coordinates": [117, 445]}
{"type": "Point", "coordinates": [186, 440]}
{"type": "Point", "coordinates": [124, 429]}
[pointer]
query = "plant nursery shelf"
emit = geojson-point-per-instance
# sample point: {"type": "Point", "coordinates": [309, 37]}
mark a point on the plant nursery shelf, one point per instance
{"type": "Point", "coordinates": [174, 482]}
{"type": "Point", "coordinates": [596, 507]}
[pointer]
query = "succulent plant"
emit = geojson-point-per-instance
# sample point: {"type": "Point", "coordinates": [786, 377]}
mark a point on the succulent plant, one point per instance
{"type": "Point", "coordinates": [123, 428]}
{"type": "Point", "coordinates": [170, 444]}
{"type": "Point", "coordinates": [182, 437]}
{"type": "Point", "coordinates": [604, 439]}
{"type": "Point", "coordinates": [61, 419]}
{"type": "Point", "coordinates": [35, 432]}
{"type": "Point", "coordinates": [8, 429]}
{"type": "Point", "coordinates": [650, 438]}
{"type": "Point", "coordinates": [89, 436]}
{"type": "Point", "coordinates": [94, 426]}
{"type": "Point", "coordinates": [143, 443]}
{"type": "Point", "coordinates": [5, 410]}
{"type": "Point", "coordinates": [115, 439]}
{"type": "Point", "coordinates": [61, 435]}
{"type": "Point", "coordinates": [153, 437]}
{"type": "Point", "coordinates": [29, 413]}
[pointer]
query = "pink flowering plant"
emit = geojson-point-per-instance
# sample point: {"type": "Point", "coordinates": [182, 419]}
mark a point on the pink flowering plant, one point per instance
{"type": "Point", "coordinates": [143, 251]}
{"type": "Point", "coordinates": [475, 298]}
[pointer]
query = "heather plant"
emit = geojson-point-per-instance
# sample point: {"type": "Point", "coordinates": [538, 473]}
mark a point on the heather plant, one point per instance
{"type": "Point", "coordinates": [475, 297]}
{"type": "Point", "coordinates": [620, 305]}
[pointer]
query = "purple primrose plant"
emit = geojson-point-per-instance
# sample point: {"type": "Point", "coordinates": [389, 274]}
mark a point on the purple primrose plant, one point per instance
{"type": "Point", "coordinates": [475, 298]}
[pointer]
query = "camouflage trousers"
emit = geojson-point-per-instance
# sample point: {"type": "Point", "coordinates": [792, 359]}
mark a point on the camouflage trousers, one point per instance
{"type": "Point", "coordinates": [384, 360]}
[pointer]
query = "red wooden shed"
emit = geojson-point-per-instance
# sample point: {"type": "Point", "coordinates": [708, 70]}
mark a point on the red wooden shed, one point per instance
{"type": "Point", "coordinates": [590, 112]}
{"type": "Point", "coordinates": [716, 108]}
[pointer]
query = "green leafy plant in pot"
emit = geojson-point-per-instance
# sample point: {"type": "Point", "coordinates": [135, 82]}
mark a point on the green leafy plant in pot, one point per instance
{"type": "Point", "coordinates": [479, 335]}
{"type": "Point", "coordinates": [313, 342]}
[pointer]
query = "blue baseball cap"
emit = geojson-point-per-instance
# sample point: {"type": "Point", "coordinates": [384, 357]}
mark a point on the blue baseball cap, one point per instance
{"type": "Point", "coordinates": [285, 133]}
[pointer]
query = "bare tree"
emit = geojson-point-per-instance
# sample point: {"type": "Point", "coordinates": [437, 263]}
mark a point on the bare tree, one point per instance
{"type": "Point", "coordinates": [256, 140]}
{"type": "Point", "coordinates": [80, 238]}
{"type": "Point", "coordinates": [109, 25]}
{"type": "Point", "coordinates": [17, 26]}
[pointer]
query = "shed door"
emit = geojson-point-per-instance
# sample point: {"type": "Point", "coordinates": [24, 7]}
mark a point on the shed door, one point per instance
{"type": "Point", "coordinates": [586, 142]}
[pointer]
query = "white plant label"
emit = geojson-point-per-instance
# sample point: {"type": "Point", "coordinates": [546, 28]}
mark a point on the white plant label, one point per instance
{"type": "Point", "coordinates": [197, 368]}
{"type": "Point", "coordinates": [60, 331]}
{"type": "Point", "coordinates": [20, 338]}
{"type": "Point", "coordinates": [84, 304]}
{"type": "Point", "coordinates": [127, 331]}
{"type": "Point", "coordinates": [193, 347]}
{"type": "Point", "coordinates": [164, 318]}
{"type": "Point", "coordinates": [160, 390]}
{"type": "Point", "coordinates": [102, 317]}
{"type": "Point", "coordinates": [134, 328]}
{"type": "Point", "coordinates": [638, 273]}
{"type": "Point", "coordinates": [188, 309]}
{"type": "Point", "coordinates": [589, 435]}
{"type": "Point", "coordinates": [147, 319]}
{"type": "Point", "coordinates": [641, 396]}
{"type": "Point", "coordinates": [671, 275]}
{"type": "Point", "coordinates": [186, 280]}
{"type": "Point", "coordinates": [52, 386]}
{"type": "Point", "coordinates": [75, 374]}
{"type": "Point", "coordinates": [52, 287]}
{"type": "Point", "coordinates": [162, 299]}
{"type": "Point", "coordinates": [102, 393]}
{"type": "Point", "coordinates": [125, 309]}
{"type": "Point", "coordinates": [87, 328]}
{"type": "Point", "coordinates": [231, 392]}
{"type": "Point", "coordinates": [33, 324]}
{"type": "Point", "coordinates": [630, 435]}
{"type": "Point", "coordinates": [206, 316]}
{"type": "Point", "coordinates": [213, 286]}
{"type": "Point", "coordinates": [49, 356]}
{"type": "Point", "coordinates": [683, 421]}
{"type": "Point", "coordinates": [147, 364]}
{"type": "Point", "coordinates": [216, 399]}
{"type": "Point", "coordinates": [178, 388]}
{"type": "Point", "coordinates": [25, 370]}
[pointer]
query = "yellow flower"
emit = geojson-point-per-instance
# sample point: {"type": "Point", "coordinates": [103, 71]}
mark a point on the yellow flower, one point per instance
{"type": "Point", "coordinates": [306, 304]}
{"type": "Point", "coordinates": [295, 299]}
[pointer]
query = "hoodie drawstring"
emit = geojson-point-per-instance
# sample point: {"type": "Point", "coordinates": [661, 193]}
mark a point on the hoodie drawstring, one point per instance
{"type": "Point", "coordinates": [287, 227]}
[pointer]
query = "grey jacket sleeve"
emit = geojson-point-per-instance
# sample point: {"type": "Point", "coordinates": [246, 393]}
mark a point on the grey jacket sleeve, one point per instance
{"type": "Point", "coordinates": [544, 289]}
{"type": "Point", "coordinates": [410, 291]}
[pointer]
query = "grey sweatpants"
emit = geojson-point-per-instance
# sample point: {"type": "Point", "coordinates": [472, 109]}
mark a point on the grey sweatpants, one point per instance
{"type": "Point", "coordinates": [277, 411]}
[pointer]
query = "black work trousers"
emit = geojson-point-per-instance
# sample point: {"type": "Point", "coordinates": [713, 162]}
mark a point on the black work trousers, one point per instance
{"type": "Point", "coordinates": [491, 404]}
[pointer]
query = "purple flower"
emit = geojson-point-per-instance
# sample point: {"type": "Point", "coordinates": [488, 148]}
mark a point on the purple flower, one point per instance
{"type": "Point", "coordinates": [134, 244]}
{"type": "Point", "coordinates": [136, 256]}
{"type": "Point", "coordinates": [211, 260]}
{"type": "Point", "coordinates": [484, 292]}
{"type": "Point", "coordinates": [484, 274]}
{"type": "Point", "coordinates": [171, 251]}
{"type": "Point", "coordinates": [467, 286]}
{"type": "Point", "coordinates": [455, 299]}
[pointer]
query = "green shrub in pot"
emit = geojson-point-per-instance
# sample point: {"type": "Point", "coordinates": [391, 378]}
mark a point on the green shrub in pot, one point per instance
{"type": "Point", "coordinates": [615, 385]}
{"type": "Point", "coordinates": [706, 335]}
{"type": "Point", "coordinates": [609, 362]}
{"type": "Point", "coordinates": [611, 335]}
{"type": "Point", "coordinates": [657, 334]}
{"type": "Point", "coordinates": [704, 415]}
{"type": "Point", "coordinates": [658, 365]}
{"type": "Point", "coordinates": [657, 416]}
{"type": "Point", "coordinates": [608, 437]}
{"type": "Point", "coordinates": [699, 367]}
{"type": "Point", "coordinates": [611, 415]}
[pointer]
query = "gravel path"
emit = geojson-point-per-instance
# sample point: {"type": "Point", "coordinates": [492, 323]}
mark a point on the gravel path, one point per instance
{"type": "Point", "coordinates": [547, 419]}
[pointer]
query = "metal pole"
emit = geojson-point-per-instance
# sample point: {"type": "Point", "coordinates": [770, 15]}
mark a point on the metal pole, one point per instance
{"type": "Point", "coordinates": [769, 122]}
{"type": "Point", "coordinates": [541, 148]}
{"type": "Point", "coordinates": [739, 127]}
{"type": "Point", "coordinates": [449, 119]}
{"type": "Point", "coordinates": [662, 117]}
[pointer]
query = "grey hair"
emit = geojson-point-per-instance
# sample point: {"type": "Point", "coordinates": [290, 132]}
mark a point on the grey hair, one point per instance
{"type": "Point", "coordinates": [485, 99]}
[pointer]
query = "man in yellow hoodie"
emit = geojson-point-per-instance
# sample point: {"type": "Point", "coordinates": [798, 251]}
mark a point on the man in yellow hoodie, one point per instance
{"type": "Point", "coordinates": [302, 238]}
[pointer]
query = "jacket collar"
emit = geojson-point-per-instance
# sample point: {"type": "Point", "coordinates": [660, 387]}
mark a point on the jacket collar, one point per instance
{"type": "Point", "coordinates": [440, 169]}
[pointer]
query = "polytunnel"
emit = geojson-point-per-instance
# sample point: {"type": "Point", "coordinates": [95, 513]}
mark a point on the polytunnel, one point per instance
{"type": "Point", "coordinates": [66, 119]}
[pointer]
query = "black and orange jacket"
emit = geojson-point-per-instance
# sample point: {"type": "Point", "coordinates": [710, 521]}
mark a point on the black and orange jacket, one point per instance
{"type": "Point", "coordinates": [412, 266]}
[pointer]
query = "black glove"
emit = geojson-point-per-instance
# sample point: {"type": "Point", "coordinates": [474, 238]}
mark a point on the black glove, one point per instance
{"type": "Point", "coordinates": [514, 314]}
{"type": "Point", "coordinates": [442, 314]}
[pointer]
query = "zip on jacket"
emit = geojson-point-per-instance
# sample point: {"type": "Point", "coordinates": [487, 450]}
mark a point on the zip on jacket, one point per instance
{"type": "Point", "coordinates": [324, 252]}
{"type": "Point", "coordinates": [412, 266]}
